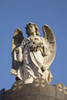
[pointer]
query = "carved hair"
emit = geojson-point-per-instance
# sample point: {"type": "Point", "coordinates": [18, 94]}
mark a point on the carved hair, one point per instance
{"type": "Point", "coordinates": [36, 29]}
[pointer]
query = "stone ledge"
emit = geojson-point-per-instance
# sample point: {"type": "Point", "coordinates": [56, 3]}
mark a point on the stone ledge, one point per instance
{"type": "Point", "coordinates": [38, 90]}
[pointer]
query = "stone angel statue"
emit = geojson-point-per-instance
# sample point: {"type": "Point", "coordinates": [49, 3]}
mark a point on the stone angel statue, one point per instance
{"type": "Point", "coordinates": [32, 57]}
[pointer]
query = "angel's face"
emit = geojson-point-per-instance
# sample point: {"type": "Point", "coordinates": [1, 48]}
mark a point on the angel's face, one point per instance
{"type": "Point", "coordinates": [31, 29]}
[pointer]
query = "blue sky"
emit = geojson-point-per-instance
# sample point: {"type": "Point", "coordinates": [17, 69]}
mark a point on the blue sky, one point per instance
{"type": "Point", "coordinates": [17, 13]}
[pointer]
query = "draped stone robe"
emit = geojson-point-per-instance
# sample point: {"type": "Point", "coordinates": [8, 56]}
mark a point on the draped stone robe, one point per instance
{"type": "Point", "coordinates": [31, 54]}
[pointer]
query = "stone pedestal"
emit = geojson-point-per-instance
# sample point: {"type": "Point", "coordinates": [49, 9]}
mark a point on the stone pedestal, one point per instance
{"type": "Point", "coordinates": [38, 90]}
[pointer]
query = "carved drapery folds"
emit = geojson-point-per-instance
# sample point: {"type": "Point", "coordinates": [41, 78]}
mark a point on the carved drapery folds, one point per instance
{"type": "Point", "coordinates": [32, 57]}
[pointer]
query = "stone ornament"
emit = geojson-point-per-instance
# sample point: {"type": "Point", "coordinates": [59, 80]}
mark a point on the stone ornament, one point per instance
{"type": "Point", "coordinates": [62, 88]}
{"type": "Point", "coordinates": [32, 57]}
{"type": "Point", "coordinates": [17, 85]}
{"type": "Point", "coordinates": [40, 82]}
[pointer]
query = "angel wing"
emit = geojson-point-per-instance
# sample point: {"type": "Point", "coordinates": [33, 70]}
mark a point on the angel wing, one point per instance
{"type": "Point", "coordinates": [16, 41]}
{"type": "Point", "coordinates": [51, 44]}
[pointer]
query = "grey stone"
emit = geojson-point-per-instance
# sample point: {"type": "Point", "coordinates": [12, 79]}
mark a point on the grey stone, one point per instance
{"type": "Point", "coordinates": [2, 93]}
{"type": "Point", "coordinates": [61, 90]}
{"type": "Point", "coordinates": [35, 92]}
{"type": "Point", "coordinates": [32, 57]}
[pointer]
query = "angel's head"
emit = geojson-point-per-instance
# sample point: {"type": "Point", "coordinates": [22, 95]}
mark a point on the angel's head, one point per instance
{"type": "Point", "coordinates": [31, 29]}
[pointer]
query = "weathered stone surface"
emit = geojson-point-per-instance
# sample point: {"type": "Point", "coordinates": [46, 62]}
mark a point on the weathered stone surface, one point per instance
{"type": "Point", "coordinates": [2, 93]}
{"type": "Point", "coordinates": [61, 91]}
{"type": "Point", "coordinates": [32, 57]}
{"type": "Point", "coordinates": [38, 90]}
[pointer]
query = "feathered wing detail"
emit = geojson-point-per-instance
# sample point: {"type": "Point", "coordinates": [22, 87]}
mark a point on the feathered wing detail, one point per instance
{"type": "Point", "coordinates": [17, 39]}
{"type": "Point", "coordinates": [16, 42]}
{"type": "Point", "coordinates": [51, 45]}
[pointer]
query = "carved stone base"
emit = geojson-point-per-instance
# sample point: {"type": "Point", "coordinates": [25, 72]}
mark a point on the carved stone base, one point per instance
{"type": "Point", "coordinates": [38, 90]}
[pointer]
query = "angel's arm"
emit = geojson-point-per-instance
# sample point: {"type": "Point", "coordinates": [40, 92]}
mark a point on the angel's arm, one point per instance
{"type": "Point", "coordinates": [18, 56]}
